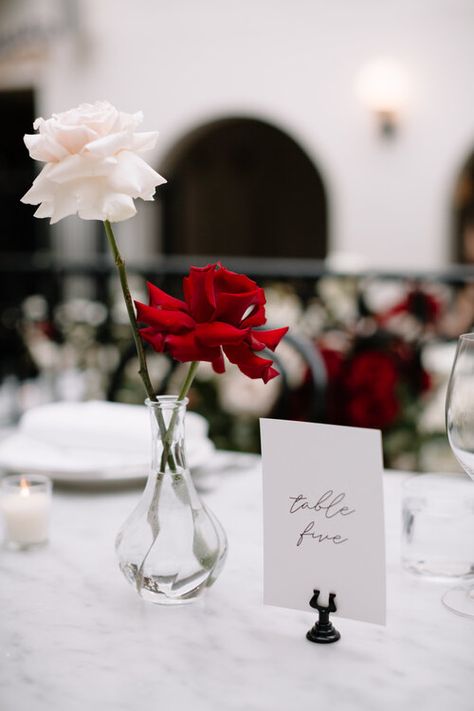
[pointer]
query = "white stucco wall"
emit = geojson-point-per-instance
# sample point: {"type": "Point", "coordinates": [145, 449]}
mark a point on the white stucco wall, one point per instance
{"type": "Point", "coordinates": [294, 63]}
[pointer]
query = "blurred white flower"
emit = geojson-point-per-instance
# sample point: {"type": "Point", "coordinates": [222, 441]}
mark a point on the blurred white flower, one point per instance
{"type": "Point", "coordinates": [292, 363]}
{"type": "Point", "coordinates": [382, 294]}
{"type": "Point", "coordinates": [92, 164]}
{"type": "Point", "coordinates": [244, 396]}
{"type": "Point", "coordinates": [74, 311]}
{"type": "Point", "coordinates": [436, 456]}
{"type": "Point", "coordinates": [432, 419]}
{"type": "Point", "coordinates": [283, 305]}
{"type": "Point", "coordinates": [45, 353]}
{"type": "Point", "coordinates": [438, 358]}
{"type": "Point", "coordinates": [35, 308]}
{"type": "Point", "coordinates": [340, 297]}
{"type": "Point", "coordinates": [313, 319]}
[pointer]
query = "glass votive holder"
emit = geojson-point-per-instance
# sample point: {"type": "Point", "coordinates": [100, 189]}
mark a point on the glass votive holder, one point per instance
{"type": "Point", "coordinates": [438, 526]}
{"type": "Point", "coordinates": [25, 504]}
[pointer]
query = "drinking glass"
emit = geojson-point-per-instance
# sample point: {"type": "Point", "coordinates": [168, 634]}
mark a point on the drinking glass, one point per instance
{"type": "Point", "coordinates": [460, 431]}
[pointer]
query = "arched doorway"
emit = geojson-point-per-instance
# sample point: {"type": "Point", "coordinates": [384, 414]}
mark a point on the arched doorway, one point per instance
{"type": "Point", "coordinates": [241, 187]}
{"type": "Point", "coordinates": [463, 251]}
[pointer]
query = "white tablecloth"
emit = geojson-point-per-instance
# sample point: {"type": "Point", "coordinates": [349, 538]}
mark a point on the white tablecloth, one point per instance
{"type": "Point", "coordinates": [74, 635]}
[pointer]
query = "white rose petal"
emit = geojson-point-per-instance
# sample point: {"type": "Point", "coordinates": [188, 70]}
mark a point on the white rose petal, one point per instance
{"type": "Point", "coordinates": [46, 209]}
{"type": "Point", "coordinates": [40, 190]}
{"type": "Point", "coordinates": [92, 164]}
{"type": "Point", "coordinates": [118, 207]}
{"type": "Point", "coordinates": [64, 204]}
{"type": "Point", "coordinates": [44, 148]}
{"type": "Point", "coordinates": [134, 177]}
{"type": "Point", "coordinates": [74, 138]}
{"type": "Point", "coordinates": [109, 145]}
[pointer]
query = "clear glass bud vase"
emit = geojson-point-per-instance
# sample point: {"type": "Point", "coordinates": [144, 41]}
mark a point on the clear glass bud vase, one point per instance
{"type": "Point", "coordinates": [171, 548]}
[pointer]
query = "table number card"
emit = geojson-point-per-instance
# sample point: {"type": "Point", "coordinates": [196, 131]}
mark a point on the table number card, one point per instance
{"type": "Point", "coordinates": [323, 517]}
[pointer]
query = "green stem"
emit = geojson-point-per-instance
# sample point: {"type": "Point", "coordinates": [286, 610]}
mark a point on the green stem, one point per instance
{"type": "Point", "coordinates": [188, 381]}
{"type": "Point", "coordinates": [168, 438]}
{"type": "Point", "coordinates": [143, 369]}
{"type": "Point", "coordinates": [120, 264]}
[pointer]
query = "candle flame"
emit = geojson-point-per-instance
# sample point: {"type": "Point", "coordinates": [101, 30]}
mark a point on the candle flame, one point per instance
{"type": "Point", "coordinates": [24, 487]}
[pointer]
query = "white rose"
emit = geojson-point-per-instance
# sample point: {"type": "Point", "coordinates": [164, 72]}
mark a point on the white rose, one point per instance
{"type": "Point", "coordinates": [92, 164]}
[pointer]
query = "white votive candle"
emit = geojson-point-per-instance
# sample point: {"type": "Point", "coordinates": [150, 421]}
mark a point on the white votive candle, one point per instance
{"type": "Point", "coordinates": [25, 503]}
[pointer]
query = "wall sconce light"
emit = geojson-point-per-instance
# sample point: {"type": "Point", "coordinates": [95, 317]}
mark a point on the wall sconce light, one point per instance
{"type": "Point", "coordinates": [382, 86]}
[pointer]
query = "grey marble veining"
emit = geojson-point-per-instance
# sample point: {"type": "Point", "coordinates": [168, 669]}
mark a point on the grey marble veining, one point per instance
{"type": "Point", "coordinates": [75, 636]}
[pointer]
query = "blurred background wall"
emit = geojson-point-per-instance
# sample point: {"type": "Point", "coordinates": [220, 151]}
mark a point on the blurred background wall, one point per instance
{"type": "Point", "coordinates": [294, 64]}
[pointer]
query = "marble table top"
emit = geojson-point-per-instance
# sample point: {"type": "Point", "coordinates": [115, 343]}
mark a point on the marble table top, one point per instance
{"type": "Point", "coordinates": [75, 636]}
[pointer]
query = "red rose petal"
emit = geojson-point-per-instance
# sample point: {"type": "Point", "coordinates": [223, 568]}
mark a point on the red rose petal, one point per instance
{"type": "Point", "coordinates": [257, 317]}
{"type": "Point", "coordinates": [160, 299]}
{"type": "Point", "coordinates": [155, 339]}
{"type": "Point", "coordinates": [267, 339]}
{"type": "Point", "coordinates": [232, 307]}
{"type": "Point", "coordinates": [198, 290]}
{"type": "Point", "coordinates": [250, 364]}
{"type": "Point", "coordinates": [218, 363]}
{"type": "Point", "coordinates": [185, 347]}
{"type": "Point", "coordinates": [232, 282]}
{"type": "Point", "coordinates": [271, 373]}
{"type": "Point", "coordinates": [219, 334]}
{"type": "Point", "coordinates": [163, 320]}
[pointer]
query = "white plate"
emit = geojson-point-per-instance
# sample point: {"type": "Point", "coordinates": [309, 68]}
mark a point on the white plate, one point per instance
{"type": "Point", "coordinates": [92, 442]}
{"type": "Point", "coordinates": [22, 454]}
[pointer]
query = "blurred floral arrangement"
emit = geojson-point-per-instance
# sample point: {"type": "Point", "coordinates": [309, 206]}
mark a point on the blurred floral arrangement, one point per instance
{"type": "Point", "coordinates": [387, 346]}
{"type": "Point", "coordinates": [378, 381]}
{"type": "Point", "coordinates": [385, 343]}
{"type": "Point", "coordinates": [376, 344]}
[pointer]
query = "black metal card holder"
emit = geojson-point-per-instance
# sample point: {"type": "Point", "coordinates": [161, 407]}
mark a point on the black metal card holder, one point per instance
{"type": "Point", "coordinates": [323, 631]}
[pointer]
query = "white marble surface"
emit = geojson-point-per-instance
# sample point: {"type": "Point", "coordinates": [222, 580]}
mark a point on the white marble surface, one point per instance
{"type": "Point", "coordinates": [74, 635]}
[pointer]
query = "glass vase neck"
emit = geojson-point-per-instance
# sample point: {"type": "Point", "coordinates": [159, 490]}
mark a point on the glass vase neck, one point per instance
{"type": "Point", "coordinates": [167, 415]}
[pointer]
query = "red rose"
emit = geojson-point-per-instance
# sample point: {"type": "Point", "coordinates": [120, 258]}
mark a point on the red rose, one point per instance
{"type": "Point", "coordinates": [218, 314]}
{"type": "Point", "coordinates": [370, 390]}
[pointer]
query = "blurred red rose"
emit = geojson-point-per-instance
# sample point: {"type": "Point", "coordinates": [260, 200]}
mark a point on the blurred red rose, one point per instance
{"type": "Point", "coordinates": [370, 383]}
{"type": "Point", "coordinates": [420, 304]}
{"type": "Point", "coordinates": [218, 315]}
{"type": "Point", "coordinates": [362, 388]}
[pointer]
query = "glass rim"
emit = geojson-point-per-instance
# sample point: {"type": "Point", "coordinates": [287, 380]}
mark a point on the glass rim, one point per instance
{"type": "Point", "coordinates": [166, 400]}
{"type": "Point", "coordinates": [466, 337]}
